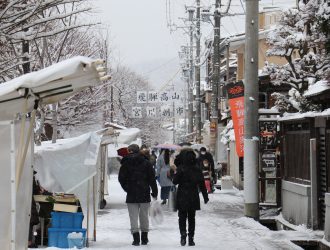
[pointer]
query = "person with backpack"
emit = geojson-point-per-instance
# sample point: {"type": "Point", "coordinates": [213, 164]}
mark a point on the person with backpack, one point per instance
{"type": "Point", "coordinates": [137, 177]}
{"type": "Point", "coordinates": [190, 180]}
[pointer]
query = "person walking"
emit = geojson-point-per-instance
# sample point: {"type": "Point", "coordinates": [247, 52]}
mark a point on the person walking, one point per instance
{"type": "Point", "coordinates": [137, 176]}
{"type": "Point", "coordinates": [164, 175]}
{"type": "Point", "coordinates": [190, 180]}
{"type": "Point", "coordinates": [208, 156]}
{"type": "Point", "coordinates": [206, 169]}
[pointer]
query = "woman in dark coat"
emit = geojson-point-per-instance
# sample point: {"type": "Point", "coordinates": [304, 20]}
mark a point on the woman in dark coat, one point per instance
{"type": "Point", "coordinates": [190, 179]}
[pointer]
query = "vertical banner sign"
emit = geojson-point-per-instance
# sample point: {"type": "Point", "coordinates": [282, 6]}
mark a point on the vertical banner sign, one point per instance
{"type": "Point", "coordinates": [236, 103]}
{"type": "Point", "coordinates": [141, 96]}
{"type": "Point", "coordinates": [151, 112]}
{"type": "Point", "coordinates": [137, 112]}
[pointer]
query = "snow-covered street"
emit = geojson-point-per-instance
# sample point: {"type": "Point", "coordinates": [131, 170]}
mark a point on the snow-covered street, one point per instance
{"type": "Point", "coordinates": [219, 225]}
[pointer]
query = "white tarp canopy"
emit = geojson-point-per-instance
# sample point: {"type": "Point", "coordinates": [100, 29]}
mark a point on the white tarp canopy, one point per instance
{"type": "Point", "coordinates": [48, 85]}
{"type": "Point", "coordinates": [72, 166]}
{"type": "Point", "coordinates": [20, 96]}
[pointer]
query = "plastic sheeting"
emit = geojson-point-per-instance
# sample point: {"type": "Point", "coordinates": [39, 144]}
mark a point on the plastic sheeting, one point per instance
{"type": "Point", "coordinates": [72, 166]}
{"type": "Point", "coordinates": [21, 215]}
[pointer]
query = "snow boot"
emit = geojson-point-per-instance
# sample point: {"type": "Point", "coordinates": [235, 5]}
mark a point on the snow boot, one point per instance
{"type": "Point", "coordinates": [191, 241]}
{"type": "Point", "coordinates": [183, 239]}
{"type": "Point", "coordinates": [136, 239]}
{"type": "Point", "coordinates": [144, 238]}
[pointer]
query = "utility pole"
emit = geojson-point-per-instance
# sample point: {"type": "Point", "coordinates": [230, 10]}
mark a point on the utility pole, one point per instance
{"type": "Point", "coordinates": [215, 79]}
{"type": "Point", "coordinates": [198, 72]}
{"type": "Point", "coordinates": [251, 105]}
{"type": "Point", "coordinates": [191, 75]}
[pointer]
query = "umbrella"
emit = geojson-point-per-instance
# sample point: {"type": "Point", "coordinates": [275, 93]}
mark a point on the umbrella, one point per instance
{"type": "Point", "coordinates": [185, 144]}
{"type": "Point", "coordinates": [198, 146]}
{"type": "Point", "coordinates": [168, 146]}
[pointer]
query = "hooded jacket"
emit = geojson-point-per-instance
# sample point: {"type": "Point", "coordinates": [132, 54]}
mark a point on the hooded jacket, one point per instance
{"type": "Point", "coordinates": [137, 176]}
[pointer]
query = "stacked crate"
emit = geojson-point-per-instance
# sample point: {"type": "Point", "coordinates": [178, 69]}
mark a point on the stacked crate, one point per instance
{"type": "Point", "coordinates": [62, 224]}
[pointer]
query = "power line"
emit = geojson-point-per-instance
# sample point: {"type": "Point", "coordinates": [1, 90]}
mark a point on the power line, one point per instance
{"type": "Point", "coordinates": [160, 66]}
{"type": "Point", "coordinates": [170, 80]}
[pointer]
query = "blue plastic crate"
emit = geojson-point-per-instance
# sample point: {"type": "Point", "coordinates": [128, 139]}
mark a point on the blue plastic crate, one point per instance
{"type": "Point", "coordinates": [58, 237]}
{"type": "Point", "coordinates": [67, 220]}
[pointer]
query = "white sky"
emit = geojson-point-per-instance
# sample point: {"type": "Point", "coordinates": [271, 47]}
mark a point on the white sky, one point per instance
{"type": "Point", "coordinates": [140, 36]}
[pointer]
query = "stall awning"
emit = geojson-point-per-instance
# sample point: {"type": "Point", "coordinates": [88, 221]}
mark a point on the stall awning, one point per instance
{"type": "Point", "coordinates": [48, 85]}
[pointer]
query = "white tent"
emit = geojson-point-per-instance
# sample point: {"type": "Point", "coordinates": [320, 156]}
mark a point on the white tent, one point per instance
{"type": "Point", "coordinates": [21, 96]}
{"type": "Point", "coordinates": [73, 166]}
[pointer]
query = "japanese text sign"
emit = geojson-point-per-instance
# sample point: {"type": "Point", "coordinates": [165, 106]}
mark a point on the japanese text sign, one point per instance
{"type": "Point", "coordinates": [236, 103]}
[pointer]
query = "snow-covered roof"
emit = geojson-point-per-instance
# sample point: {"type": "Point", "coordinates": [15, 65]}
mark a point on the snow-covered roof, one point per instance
{"type": "Point", "coordinates": [48, 85]}
{"type": "Point", "coordinates": [317, 88]}
{"type": "Point", "coordinates": [300, 116]}
{"type": "Point", "coordinates": [114, 125]}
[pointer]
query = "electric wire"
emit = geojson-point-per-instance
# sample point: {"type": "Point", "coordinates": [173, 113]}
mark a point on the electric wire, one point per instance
{"type": "Point", "coordinates": [160, 66]}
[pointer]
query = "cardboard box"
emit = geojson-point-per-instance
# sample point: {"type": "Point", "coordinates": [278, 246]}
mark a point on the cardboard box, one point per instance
{"type": "Point", "coordinates": [65, 208]}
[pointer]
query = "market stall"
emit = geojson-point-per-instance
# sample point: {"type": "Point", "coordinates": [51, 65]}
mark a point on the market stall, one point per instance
{"type": "Point", "coordinates": [19, 99]}
{"type": "Point", "coordinates": [73, 165]}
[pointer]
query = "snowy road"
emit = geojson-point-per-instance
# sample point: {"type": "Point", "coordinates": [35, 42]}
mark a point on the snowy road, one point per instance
{"type": "Point", "coordinates": [219, 225]}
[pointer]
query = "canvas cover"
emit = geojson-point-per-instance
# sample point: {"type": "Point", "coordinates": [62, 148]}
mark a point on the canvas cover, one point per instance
{"type": "Point", "coordinates": [24, 194]}
{"type": "Point", "coordinates": [72, 166]}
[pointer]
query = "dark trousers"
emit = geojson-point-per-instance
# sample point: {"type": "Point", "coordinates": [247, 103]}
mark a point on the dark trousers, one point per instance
{"type": "Point", "coordinates": [183, 215]}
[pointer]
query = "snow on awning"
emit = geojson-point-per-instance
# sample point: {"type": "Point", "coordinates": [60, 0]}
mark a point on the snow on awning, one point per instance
{"type": "Point", "coordinates": [317, 88]}
{"type": "Point", "coordinates": [48, 85]}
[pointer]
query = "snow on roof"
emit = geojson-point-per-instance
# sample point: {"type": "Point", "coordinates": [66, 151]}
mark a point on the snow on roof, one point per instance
{"type": "Point", "coordinates": [114, 125]}
{"type": "Point", "coordinates": [317, 88]}
{"type": "Point", "coordinates": [300, 116]}
{"type": "Point", "coordinates": [48, 85]}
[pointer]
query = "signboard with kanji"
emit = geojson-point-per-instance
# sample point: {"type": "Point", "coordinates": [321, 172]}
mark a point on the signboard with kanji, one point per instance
{"type": "Point", "coordinates": [137, 112]}
{"type": "Point", "coordinates": [268, 133]}
{"type": "Point", "coordinates": [179, 110]}
{"type": "Point", "coordinates": [141, 96]}
{"type": "Point", "coordinates": [236, 103]}
{"type": "Point", "coordinates": [166, 111]}
{"type": "Point", "coordinates": [151, 112]}
{"type": "Point", "coordinates": [153, 97]}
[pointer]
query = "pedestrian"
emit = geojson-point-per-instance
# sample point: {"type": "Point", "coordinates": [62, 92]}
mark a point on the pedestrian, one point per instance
{"type": "Point", "coordinates": [206, 169]}
{"type": "Point", "coordinates": [136, 176]}
{"type": "Point", "coordinates": [206, 155]}
{"type": "Point", "coordinates": [190, 180]}
{"type": "Point", "coordinates": [153, 158]}
{"type": "Point", "coordinates": [164, 175]}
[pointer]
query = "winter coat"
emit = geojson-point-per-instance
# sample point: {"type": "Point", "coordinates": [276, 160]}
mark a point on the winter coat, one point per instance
{"type": "Point", "coordinates": [137, 176]}
{"type": "Point", "coordinates": [162, 171]}
{"type": "Point", "coordinates": [208, 157]}
{"type": "Point", "coordinates": [190, 180]}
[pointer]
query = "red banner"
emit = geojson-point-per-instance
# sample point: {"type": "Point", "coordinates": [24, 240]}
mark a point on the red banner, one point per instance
{"type": "Point", "coordinates": [237, 114]}
{"type": "Point", "coordinates": [236, 103]}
